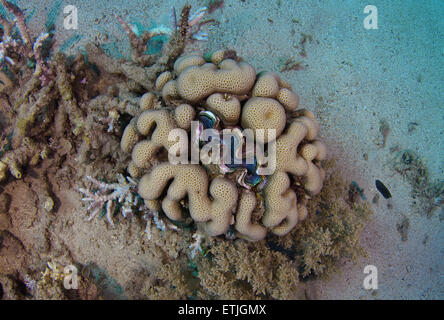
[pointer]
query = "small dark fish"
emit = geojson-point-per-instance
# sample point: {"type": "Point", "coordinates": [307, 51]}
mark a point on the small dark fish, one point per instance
{"type": "Point", "coordinates": [383, 189]}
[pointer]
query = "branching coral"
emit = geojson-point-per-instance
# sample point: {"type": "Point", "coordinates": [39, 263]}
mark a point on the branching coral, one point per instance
{"type": "Point", "coordinates": [28, 152]}
{"type": "Point", "coordinates": [109, 195]}
{"type": "Point", "coordinates": [59, 97]}
{"type": "Point", "coordinates": [189, 27]}
{"type": "Point", "coordinates": [34, 108]}
{"type": "Point", "coordinates": [144, 68]}
{"type": "Point", "coordinates": [194, 24]}
{"type": "Point", "coordinates": [24, 46]}
{"type": "Point", "coordinates": [153, 216]}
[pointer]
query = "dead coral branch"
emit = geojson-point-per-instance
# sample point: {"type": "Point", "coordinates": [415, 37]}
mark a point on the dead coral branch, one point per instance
{"type": "Point", "coordinates": [145, 68]}
{"type": "Point", "coordinates": [109, 195]}
{"type": "Point", "coordinates": [20, 21]}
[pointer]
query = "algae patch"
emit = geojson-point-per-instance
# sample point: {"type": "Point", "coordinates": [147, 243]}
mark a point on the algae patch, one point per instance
{"type": "Point", "coordinates": [428, 193]}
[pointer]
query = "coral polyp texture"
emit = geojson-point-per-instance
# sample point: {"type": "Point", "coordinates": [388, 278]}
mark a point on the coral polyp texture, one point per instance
{"type": "Point", "coordinates": [221, 91]}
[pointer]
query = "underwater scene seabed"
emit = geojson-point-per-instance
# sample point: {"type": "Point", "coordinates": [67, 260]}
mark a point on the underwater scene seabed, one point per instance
{"type": "Point", "coordinates": [93, 207]}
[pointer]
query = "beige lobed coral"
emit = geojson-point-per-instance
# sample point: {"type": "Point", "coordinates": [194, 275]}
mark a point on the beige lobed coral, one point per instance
{"type": "Point", "coordinates": [226, 88]}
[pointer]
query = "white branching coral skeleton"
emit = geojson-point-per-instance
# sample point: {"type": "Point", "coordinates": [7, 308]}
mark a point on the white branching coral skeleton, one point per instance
{"type": "Point", "coordinates": [158, 222]}
{"type": "Point", "coordinates": [109, 195]}
{"type": "Point", "coordinates": [24, 46]}
{"type": "Point", "coordinates": [122, 195]}
{"type": "Point", "coordinates": [139, 37]}
{"type": "Point", "coordinates": [196, 245]}
{"type": "Point", "coordinates": [194, 24]}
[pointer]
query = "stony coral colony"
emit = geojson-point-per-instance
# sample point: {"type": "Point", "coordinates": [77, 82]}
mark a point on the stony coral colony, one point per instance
{"type": "Point", "coordinates": [222, 91]}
